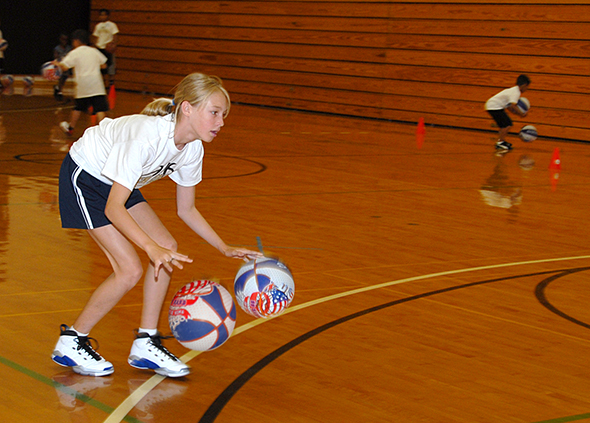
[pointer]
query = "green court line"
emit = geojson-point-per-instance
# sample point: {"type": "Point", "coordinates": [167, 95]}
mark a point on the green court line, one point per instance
{"type": "Point", "coordinates": [567, 419]}
{"type": "Point", "coordinates": [63, 388]}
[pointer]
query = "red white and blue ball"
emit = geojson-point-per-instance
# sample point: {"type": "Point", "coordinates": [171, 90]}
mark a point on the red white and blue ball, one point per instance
{"type": "Point", "coordinates": [202, 315]}
{"type": "Point", "coordinates": [50, 71]}
{"type": "Point", "coordinates": [264, 287]}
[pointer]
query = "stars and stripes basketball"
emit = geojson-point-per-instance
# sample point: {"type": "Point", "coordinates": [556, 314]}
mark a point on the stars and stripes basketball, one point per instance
{"type": "Point", "coordinates": [264, 287]}
{"type": "Point", "coordinates": [202, 315]}
{"type": "Point", "coordinates": [50, 71]}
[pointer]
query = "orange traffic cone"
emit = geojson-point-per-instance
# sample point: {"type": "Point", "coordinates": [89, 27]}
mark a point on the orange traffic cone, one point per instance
{"type": "Point", "coordinates": [420, 133]}
{"type": "Point", "coordinates": [555, 160]}
{"type": "Point", "coordinates": [112, 97]}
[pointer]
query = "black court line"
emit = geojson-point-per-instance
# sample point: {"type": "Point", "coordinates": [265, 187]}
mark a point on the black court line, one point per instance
{"type": "Point", "coordinates": [540, 294]}
{"type": "Point", "coordinates": [223, 399]}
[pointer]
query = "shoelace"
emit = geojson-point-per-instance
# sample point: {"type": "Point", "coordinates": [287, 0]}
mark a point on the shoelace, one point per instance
{"type": "Point", "coordinates": [156, 341]}
{"type": "Point", "coordinates": [85, 344]}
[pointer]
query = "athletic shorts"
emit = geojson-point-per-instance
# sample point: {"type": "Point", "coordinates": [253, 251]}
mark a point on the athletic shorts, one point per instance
{"type": "Point", "coordinates": [111, 63]}
{"type": "Point", "coordinates": [83, 198]}
{"type": "Point", "coordinates": [99, 103]}
{"type": "Point", "coordinates": [501, 118]}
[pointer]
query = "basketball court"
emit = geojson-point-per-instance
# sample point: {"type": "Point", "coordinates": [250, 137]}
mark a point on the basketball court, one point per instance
{"type": "Point", "coordinates": [436, 281]}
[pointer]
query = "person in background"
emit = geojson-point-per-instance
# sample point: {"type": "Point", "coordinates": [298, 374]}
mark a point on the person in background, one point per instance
{"type": "Point", "coordinates": [3, 47]}
{"type": "Point", "coordinates": [105, 38]}
{"type": "Point", "coordinates": [506, 99]}
{"type": "Point", "coordinates": [59, 52]}
{"type": "Point", "coordinates": [90, 92]}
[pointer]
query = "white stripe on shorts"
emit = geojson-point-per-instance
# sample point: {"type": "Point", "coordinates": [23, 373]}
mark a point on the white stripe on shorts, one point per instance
{"type": "Point", "coordinates": [80, 198]}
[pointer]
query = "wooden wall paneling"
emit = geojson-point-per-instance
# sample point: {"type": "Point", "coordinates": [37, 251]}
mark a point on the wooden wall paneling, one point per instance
{"type": "Point", "coordinates": [407, 57]}
{"type": "Point", "coordinates": [499, 29]}
{"type": "Point", "coordinates": [507, 11]}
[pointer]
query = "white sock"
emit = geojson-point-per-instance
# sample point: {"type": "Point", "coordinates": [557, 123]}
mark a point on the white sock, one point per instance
{"type": "Point", "coordinates": [79, 333]}
{"type": "Point", "coordinates": [150, 332]}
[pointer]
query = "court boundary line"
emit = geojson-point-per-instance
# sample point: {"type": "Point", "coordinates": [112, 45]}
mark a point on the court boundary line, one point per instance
{"type": "Point", "coordinates": [130, 402]}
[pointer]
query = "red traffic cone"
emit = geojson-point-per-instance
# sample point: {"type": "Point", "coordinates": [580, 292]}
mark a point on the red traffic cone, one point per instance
{"type": "Point", "coordinates": [420, 133]}
{"type": "Point", "coordinates": [112, 97]}
{"type": "Point", "coordinates": [555, 160]}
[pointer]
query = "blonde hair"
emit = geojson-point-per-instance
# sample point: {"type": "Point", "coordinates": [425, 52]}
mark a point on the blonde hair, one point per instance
{"type": "Point", "coordinates": [195, 88]}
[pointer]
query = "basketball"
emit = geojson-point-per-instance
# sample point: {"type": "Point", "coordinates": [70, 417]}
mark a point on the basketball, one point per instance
{"type": "Point", "coordinates": [528, 133]}
{"type": "Point", "coordinates": [3, 43]}
{"type": "Point", "coordinates": [6, 80]}
{"type": "Point", "coordinates": [523, 104]}
{"type": "Point", "coordinates": [28, 81]}
{"type": "Point", "coordinates": [50, 71]}
{"type": "Point", "coordinates": [264, 287]}
{"type": "Point", "coordinates": [202, 315]}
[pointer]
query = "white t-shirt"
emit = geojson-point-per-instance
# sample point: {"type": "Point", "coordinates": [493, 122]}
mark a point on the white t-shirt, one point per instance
{"type": "Point", "coordinates": [136, 150]}
{"type": "Point", "coordinates": [503, 99]}
{"type": "Point", "coordinates": [86, 62]}
{"type": "Point", "coordinates": [104, 32]}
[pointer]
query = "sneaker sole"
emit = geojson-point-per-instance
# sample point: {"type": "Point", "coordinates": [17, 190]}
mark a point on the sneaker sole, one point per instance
{"type": "Point", "coordinates": [143, 364]}
{"type": "Point", "coordinates": [65, 361]}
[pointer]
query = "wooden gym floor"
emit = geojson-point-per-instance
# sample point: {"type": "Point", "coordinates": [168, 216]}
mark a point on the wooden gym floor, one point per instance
{"type": "Point", "coordinates": [435, 284]}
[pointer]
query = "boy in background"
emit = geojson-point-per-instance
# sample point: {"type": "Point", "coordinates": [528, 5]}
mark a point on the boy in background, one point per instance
{"type": "Point", "coordinates": [506, 99]}
{"type": "Point", "coordinates": [87, 63]}
{"type": "Point", "coordinates": [59, 52]}
{"type": "Point", "coordinates": [105, 37]}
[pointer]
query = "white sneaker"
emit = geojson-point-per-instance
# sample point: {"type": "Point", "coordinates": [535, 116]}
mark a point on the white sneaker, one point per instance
{"type": "Point", "coordinates": [65, 126]}
{"type": "Point", "coordinates": [147, 352]}
{"type": "Point", "coordinates": [76, 352]}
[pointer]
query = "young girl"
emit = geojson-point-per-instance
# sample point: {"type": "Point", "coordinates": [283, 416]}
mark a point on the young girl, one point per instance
{"type": "Point", "coordinates": [99, 191]}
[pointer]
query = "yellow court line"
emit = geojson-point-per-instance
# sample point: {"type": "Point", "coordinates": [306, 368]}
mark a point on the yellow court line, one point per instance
{"type": "Point", "coordinates": [130, 402]}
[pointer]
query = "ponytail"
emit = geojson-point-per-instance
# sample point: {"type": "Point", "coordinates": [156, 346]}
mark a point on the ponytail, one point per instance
{"type": "Point", "coordinates": [159, 107]}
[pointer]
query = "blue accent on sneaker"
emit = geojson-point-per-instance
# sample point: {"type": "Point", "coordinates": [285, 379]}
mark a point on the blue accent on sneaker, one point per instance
{"type": "Point", "coordinates": [143, 363]}
{"type": "Point", "coordinates": [64, 361]}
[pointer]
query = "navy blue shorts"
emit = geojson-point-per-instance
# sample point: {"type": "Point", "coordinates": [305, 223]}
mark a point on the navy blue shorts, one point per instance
{"type": "Point", "coordinates": [83, 198]}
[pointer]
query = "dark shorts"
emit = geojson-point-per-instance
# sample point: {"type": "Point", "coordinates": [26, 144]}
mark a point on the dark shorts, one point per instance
{"type": "Point", "coordinates": [99, 103]}
{"type": "Point", "coordinates": [83, 198]}
{"type": "Point", "coordinates": [501, 118]}
{"type": "Point", "coordinates": [110, 69]}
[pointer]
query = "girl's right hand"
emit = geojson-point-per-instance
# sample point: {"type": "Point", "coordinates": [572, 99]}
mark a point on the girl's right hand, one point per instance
{"type": "Point", "coordinates": [164, 258]}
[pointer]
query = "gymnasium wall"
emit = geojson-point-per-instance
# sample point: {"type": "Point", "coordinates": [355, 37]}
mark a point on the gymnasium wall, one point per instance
{"type": "Point", "coordinates": [396, 60]}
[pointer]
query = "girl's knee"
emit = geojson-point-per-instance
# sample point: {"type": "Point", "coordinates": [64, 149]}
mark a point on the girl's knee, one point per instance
{"type": "Point", "coordinates": [170, 243]}
{"type": "Point", "coordinates": [130, 275]}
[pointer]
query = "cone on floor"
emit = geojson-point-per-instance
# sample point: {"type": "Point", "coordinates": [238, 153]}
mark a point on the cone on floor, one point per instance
{"type": "Point", "coordinates": [555, 160]}
{"type": "Point", "coordinates": [420, 133]}
{"type": "Point", "coordinates": [112, 97]}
